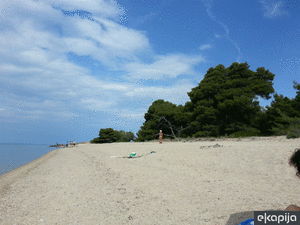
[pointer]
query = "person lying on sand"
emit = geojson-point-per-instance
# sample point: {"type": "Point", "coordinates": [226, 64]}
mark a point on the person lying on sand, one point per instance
{"type": "Point", "coordinates": [295, 161]}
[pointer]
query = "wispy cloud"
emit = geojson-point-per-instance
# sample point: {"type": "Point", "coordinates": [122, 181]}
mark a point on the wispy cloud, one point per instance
{"type": "Point", "coordinates": [207, 46]}
{"type": "Point", "coordinates": [107, 9]}
{"type": "Point", "coordinates": [208, 5]}
{"type": "Point", "coordinates": [217, 36]}
{"type": "Point", "coordinates": [171, 66]}
{"type": "Point", "coordinates": [272, 10]}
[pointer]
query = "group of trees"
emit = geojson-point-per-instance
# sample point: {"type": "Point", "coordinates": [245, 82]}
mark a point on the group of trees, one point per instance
{"type": "Point", "coordinates": [110, 135]}
{"type": "Point", "coordinates": [223, 104]}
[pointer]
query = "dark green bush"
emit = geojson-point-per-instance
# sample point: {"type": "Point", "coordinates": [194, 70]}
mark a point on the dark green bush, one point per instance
{"type": "Point", "coordinates": [122, 140]}
{"type": "Point", "coordinates": [202, 134]}
{"type": "Point", "coordinates": [95, 140]}
{"type": "Point", "coordinates": [99, 140]}
{"type": "Point", "coordinates": [293, 134]}
{"type": "Point", "coordinates": [247, 133]}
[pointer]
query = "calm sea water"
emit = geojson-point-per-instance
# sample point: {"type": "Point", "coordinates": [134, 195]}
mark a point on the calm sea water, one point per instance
{"type": "Point", "coordinates": [13, 156]}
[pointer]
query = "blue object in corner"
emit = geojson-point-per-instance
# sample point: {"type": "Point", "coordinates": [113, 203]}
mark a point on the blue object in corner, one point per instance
{"type": "Point", "coordinates": [247, 222]}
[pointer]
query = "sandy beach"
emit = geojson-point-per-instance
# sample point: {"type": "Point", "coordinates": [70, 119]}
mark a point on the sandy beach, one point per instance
{"type": "Point", "coordinates": [200, 182]}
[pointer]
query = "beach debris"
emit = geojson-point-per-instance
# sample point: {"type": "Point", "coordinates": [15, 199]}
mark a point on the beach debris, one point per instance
{"type": "Point", "coordinates": [214, 146]}
{"type": "Point", "coordinates": [133, 154]}
{"type": "Point", "coordinates": [217, 145]}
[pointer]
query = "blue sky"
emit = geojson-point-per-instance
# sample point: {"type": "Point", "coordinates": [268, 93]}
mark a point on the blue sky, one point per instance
{"type": "Point", "coordinates": [70, 68]}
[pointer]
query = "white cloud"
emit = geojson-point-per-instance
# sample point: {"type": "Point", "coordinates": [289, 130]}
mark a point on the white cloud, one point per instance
{"type": "Point", "coordinates": [109, 42]}
{"type": "Point", "coordinates": [40, 82]}
{"type": "Point", "coordinates": [13, 11]}
{"type": "Point", "coordinates": [217, 36]}
{"type": "Point", "coordinates": [104, 8]}
{"type": "Point", "coordinates": [176, 94]}
{"type": "Point", "coordinates": [171, 66]}
{"type": "Point", "coordinates": [35, 56]}
{"type": "Point", "coordinates": [80, 46]}
{"type": "Point", "coordinates": [105, 40]}
{"type": "Point", "coordinates": [96, 104]}
{"type": "Point", "coordinates": [272, 10]}
{"type": "Point", "coordinates": [122, 38]}
{"type": "Point", "coordinates": [115, 87]}
{"type": "Point", "coordinates": [207, 46]}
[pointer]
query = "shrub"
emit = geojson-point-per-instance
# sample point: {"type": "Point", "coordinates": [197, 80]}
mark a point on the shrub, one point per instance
{"type": "Point", "coordinates": [95, 140]}
{"type": "Point", "coordinates": [278, 131]}
{"type": "Point", "coordinates": [99, 140]}
{"type": "Point", "coordinates": [247, 133]}
{"type": "Point", "coordinates": [201, 134]}
{"type": "Point", "coordinates": [293, 134]}
{"type": "Point", "coordinates": [122, 140]}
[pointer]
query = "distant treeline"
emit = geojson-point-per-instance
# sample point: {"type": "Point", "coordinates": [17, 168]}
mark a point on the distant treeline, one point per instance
{"type": "Point", "coordinates": [110, 135]}
{"type": "Point", "coordinates": [224, 104]}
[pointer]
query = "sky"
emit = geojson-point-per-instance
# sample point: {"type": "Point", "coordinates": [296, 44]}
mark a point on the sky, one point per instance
{"type": "Point", "coordinates": [71, 68]}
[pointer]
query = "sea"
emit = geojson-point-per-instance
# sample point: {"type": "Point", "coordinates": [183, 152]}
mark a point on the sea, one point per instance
{"type": "Point", "coordinates": [15, 155]}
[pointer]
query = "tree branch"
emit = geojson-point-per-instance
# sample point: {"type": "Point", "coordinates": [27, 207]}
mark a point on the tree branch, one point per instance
{"type": "Point", "coordinates": [172, 126]}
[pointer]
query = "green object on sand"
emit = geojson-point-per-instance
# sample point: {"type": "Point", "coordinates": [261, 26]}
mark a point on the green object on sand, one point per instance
{"type": "Point", "coordinates": [138, 156]}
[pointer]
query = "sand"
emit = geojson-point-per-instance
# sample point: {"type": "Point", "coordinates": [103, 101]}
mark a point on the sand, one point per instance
{"type": "Point", "coordinates": [202, 182]}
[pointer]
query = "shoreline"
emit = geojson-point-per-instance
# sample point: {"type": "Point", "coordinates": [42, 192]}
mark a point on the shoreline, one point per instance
{"type": "Point", "coordinates": [14, 175]}
{"type": "Point", "coordinates": [191, 182]}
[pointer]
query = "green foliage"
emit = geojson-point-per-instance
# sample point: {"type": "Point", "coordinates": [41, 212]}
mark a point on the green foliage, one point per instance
{"type": "Point", "coordinates": [296, 100]}
{"type": "Point", "coordinates": [293, 130]}
{"type": "Point", "coordinates": [124, 136]}
{"type": "Point", "coordinates": [223, 104]}
{"type": "Point", "coordinates": [282, 115]}
{"type": "Point", "coordinates": [110, 135]}
{"type": "Point", "coordinates": [261, 122]}
{"type": "Point", "coordinates": [165, 116]}
{"type": "Point", "coordinates": [209, 130]}
{"type": "Point", "coordinates": [246, 133]}
{"type": "Point", "coordinates": [95, 140]}
{"type": "Point", "coordinates": [293, 134]}
{"type": "Point", "coordinates": [224, 101]}
{"type": "Point", "coordinates": [281, 123]}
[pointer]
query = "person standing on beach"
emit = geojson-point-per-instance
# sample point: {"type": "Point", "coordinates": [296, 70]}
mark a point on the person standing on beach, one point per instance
{"type": "Point", "coordinates": [160, 136]}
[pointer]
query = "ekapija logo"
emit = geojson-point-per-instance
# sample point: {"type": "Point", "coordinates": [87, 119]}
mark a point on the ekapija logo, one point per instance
{"type": "Point", "coordinates": [274, 218]}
